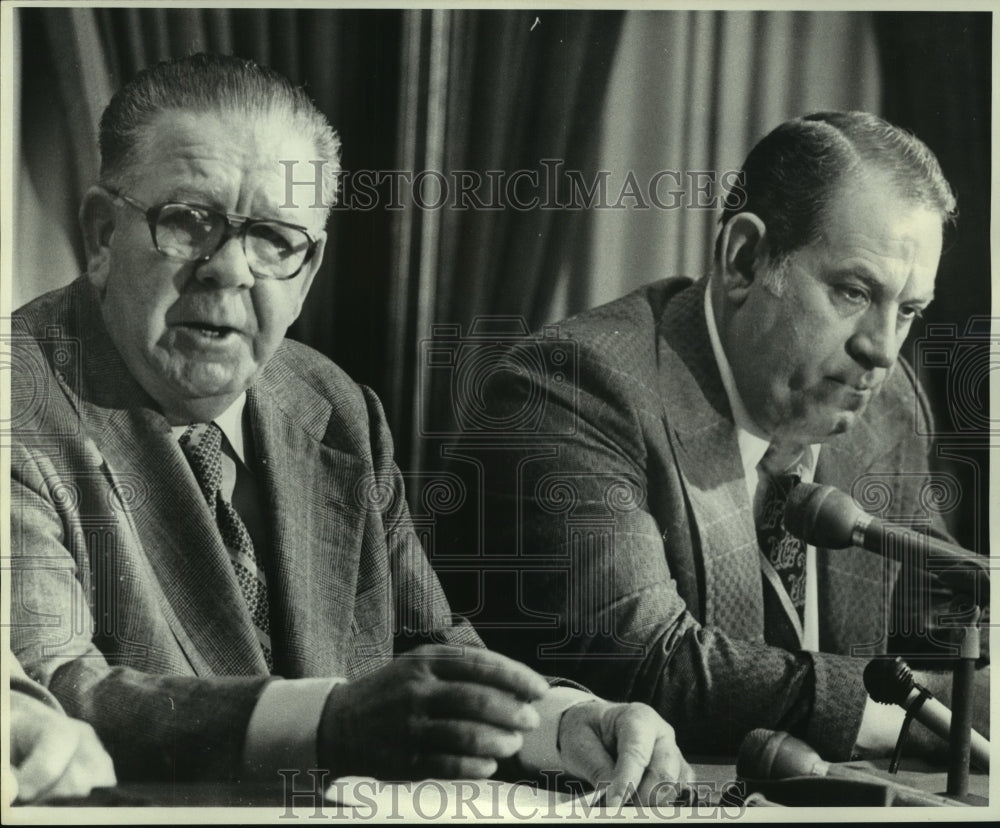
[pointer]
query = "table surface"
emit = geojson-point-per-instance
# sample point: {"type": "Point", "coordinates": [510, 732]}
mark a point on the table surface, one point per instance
{"type": "Point", "coordinates": [368, 798]}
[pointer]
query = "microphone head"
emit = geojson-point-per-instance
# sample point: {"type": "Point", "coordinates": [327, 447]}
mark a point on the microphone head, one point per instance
{"type": "Point", "coordinates": [770, 754]}
{"type": "Point", "coordinates": [821, 515]}
{"type": "Point", "coordinates": [889, 681]}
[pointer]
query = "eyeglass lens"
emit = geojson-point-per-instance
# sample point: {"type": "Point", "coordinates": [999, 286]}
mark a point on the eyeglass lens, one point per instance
{"type": "Point", "coordinates": [190, 233]}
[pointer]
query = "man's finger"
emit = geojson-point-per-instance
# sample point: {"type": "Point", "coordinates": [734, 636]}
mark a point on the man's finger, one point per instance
{"type": "Point", "coordinates": [634, 745]}
{"type": "Point", "coordinates": [43, 768]}
{"type": "Point", "coordinates": [447, 766]}
{"type": "Point", "coordinates": [491, 668]}
{"type": "Point", "coordinates": [481, 703]}
{"type": "Point", "coordinates": [666, 765]}
{"type": "Point", "coordinates": [79, 780]}
{"type": "Point", "coordinates": [464, 738]}
{"type": "Point", "coordinates": [666, 760]}
{"type": "Point", "coordinates": [97, 761]}
{"type": "Point", "coordinates": [687, 773]}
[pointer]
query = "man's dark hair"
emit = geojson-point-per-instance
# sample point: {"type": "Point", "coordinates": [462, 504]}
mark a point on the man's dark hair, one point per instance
{"type": "Point", "coordinates": [790, 176]}
{"type": "Point", "coordinates": [211, 83]}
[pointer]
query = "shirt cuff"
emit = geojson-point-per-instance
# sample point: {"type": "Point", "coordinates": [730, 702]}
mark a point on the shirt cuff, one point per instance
{"type": "Point", "coordinates": [541, 745]}
{"type": "Point", "coordinates": [879, 731]}
{"type": "Point", "coordinates": [282, 729]}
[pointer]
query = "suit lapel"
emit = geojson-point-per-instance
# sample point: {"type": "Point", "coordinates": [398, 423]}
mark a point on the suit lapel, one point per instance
{"type": "Point", "coordinates": [172, 522]}
{"type": "Point", "coordinates": [703, 439]}
{"type": "Point", "coordinates": [313, 503]}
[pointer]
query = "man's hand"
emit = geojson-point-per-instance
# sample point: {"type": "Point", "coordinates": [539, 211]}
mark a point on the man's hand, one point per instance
{"type": "Point", "coordinates": [436, 711]}
{"type": "Point", "coordinates": [627, 746]}
{"type": "Point", "coordinates": [52, 755]}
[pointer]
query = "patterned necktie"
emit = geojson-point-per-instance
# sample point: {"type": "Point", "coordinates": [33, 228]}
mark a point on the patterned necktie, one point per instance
{"type": "Point", "coordinates": [786, 552]}
{"type": "Point", "coordinates": [202, 444]}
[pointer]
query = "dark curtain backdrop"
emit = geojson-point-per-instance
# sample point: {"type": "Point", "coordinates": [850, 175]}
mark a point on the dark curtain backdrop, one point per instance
{"type": "Point", "coordinates": [518, 90]}
{"type": "Point", "coordinates": [936, 76]}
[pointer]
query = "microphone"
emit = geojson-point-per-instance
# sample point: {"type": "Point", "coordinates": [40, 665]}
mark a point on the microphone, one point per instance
{"type": "Point", "coordinates": [890, 681]}
{"type": "Point", "coordinates": [826, 517]}
{"type": "Point", "coordinates": [768, 754]}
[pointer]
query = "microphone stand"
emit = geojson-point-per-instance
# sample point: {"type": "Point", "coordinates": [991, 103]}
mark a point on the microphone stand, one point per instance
{"type": "Point", "coordinates": [960, 736]}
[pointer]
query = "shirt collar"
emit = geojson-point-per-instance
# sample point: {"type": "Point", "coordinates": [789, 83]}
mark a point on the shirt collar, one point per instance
{"type": "Point", "coordinates": [230, 422]}
{"type": "Point", "coordinates": [753, 444]}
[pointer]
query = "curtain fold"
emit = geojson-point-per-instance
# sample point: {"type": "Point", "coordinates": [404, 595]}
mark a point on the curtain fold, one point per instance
{"type": "Point", "coordinates": [60, 102]}
{"type": "Point", "coordinates": [690, 93]}
{"type": "Point", "coordinates": [529, 92]}
{"type": "Point", "coordinates": [504, 92]}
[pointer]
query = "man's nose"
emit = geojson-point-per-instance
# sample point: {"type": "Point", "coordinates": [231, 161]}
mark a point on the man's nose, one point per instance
{"type": "Point", "coordinates": [227, 267]}
{"type": "Point", "coordinates": [875, 344]}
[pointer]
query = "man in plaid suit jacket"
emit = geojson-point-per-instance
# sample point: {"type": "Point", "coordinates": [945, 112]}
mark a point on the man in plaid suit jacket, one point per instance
{"type": "Point", "coordinates": [126, 602]}
{"type": "Point", "coordinates": [620, 504]}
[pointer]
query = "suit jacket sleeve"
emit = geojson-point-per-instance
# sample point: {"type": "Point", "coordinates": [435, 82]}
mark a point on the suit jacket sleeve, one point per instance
{"type": "Point", "coordinates": [609, 595]}
{"type": "Point", "coordinates": [154, 726]}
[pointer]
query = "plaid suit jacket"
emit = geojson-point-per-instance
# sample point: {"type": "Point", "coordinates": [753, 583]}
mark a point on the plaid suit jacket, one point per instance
{"type": "Point", "coordinates": [126, 606]}
{"type": "Point", "coordinates": [619, 502]}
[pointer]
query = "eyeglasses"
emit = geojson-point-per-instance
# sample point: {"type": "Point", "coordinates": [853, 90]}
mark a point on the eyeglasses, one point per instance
{"type": "Point", "coordinates": [194, 233]}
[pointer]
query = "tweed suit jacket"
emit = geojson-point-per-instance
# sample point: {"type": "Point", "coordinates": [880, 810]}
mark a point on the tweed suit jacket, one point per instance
{"type": "Point", "coordinates": [125, 603]}
{"type": "Point", "coordinates": [620, 501]}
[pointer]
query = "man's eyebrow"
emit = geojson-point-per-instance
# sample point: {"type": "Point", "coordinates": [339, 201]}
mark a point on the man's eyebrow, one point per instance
{"type": "Point", "coordinates": [196, 197]}
{"type": "Point", "coordinates": [861, 274]}
{"type": "Point", "coordinates": [923, 301]}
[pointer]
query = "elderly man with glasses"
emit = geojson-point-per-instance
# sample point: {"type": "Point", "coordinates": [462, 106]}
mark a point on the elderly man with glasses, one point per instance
{"type": "Point", "coordinates": [213, 560]}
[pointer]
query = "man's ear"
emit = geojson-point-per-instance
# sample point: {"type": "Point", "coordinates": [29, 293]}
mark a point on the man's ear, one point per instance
{"type": "Point", "coordinates": [741, 245]}
{"type": "Point", "coordinates": [310, 270]}
{"type": "Point", "coordinates": [97, 222]}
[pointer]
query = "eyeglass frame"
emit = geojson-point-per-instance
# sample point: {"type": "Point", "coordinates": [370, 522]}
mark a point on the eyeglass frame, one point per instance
{"type": "Point", "coordinates": [236, 226]}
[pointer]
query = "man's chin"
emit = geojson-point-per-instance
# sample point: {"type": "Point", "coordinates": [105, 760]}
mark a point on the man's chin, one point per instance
{"type": "Point", "coordinates": [201, 410]}
{"type": "Point", "coordinates": [842, 425]}
{"type": "Point", "coordinates": [842, 422]}
{"type": "Point", "coordinates": [820, 429]}
{"type": "Point", "coordinates": [205, 379]}
{"type": "Point", "coordinates": [199, 398]}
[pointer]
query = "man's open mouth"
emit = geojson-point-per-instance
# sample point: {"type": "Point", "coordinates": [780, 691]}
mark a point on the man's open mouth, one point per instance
{"type": "Point", "coordinates": [208, 330]}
